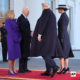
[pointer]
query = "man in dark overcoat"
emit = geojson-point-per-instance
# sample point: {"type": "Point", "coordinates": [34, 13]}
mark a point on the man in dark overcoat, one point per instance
{"type": "Point", "coordinates": [45, 42]}
{"type": "Point", "coordinates": [26, 34]}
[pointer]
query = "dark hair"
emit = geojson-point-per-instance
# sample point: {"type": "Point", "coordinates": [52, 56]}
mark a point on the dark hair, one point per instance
{"type": "Point", "coordinates": [65, 9]}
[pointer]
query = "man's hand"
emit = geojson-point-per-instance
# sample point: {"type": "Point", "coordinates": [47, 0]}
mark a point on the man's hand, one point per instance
{"type": "Point", "coordinates": [39, 38]}
{"type": "Point", "coordinates": [32, 33]}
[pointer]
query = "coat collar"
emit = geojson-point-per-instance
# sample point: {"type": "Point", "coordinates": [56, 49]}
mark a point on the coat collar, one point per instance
{"type": "Point", "coordinates": [24, 15]}
{"type": "Point", "coordinates": [64, 13]}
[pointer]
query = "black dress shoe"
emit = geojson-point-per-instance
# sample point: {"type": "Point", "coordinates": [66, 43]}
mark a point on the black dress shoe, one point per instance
{"type": "Point", "coordinates": [21, 71]}
{"type": "Point", "coordinates": [61, 71]}
{"type": "Point", "coordinates": [46, 73]}
{"type": "Point", "coordinates": [27, 70]}
{"type": "Point", "coordinates": [5, 60]}
{"type": "Point", "coordinates": [55, 69]}
{"type": "Point", "coordinates": [68, 69]}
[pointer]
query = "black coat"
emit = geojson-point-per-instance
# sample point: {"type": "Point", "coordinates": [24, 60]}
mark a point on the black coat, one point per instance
{"type": "Point", "coordinates": [63, 34]}
{"type": "Point", "coordinates": [50, 45]}
{"type": "Point", "coordinates": [3, 34]}
{"type": "Point", "coordinates": [25, 31]}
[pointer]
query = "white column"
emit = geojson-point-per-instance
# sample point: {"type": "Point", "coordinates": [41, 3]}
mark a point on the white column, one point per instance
{"type": "Point", "coordinates": [11, 4]}
{"type": "Point", "coordinates": [35, 11]}
{"type": "Point", "coordinates": [77, 25]}
{"type": "Point", "coordinates": [61, 2]}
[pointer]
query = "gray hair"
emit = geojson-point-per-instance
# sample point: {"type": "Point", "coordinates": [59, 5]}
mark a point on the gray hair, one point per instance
{"type": "Point", "coordinates": [46, 5]}
{"type": "Point", "coordinates": [24, 9]}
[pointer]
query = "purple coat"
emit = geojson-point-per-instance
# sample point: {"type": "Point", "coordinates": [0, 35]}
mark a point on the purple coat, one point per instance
{"type": "Point", "coordinates": [13, 39]}
{"type": "Point", "coordinates": [50, 45]}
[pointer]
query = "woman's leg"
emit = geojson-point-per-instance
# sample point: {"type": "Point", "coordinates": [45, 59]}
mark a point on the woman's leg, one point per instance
{"type": "Point", "coordinates": [62, 63]}
{"type": "Point", "coordinates": [14, 61]}
{"type": "Point", "coordinates": [10, 62]}
{"type": "Point", "coordinates": [66, 62]}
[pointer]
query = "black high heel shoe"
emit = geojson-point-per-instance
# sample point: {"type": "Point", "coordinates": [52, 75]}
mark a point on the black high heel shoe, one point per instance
{"type": "Point", "coordinates": [68, 69]}
{"type": "Point", "coordinates": [61, 71]}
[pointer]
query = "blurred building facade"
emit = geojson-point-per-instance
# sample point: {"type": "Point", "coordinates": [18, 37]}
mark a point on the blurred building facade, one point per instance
{"type": "Point", "coordinates": [36, 10]}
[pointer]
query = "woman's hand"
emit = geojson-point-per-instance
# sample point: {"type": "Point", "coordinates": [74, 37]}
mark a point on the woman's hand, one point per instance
{"type": "Point", "coordinates": [39, 38]}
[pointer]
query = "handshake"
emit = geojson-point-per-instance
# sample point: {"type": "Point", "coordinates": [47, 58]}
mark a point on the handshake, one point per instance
{"type": "Point", "coordinates": [32, 33]}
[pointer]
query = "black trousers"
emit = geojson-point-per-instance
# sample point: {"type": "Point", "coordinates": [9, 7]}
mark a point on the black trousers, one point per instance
{"type": "Point", "coordinates": [4, 50]}
{"type": "Point", "coordinates": [50, 63]}
{"type": "Point", "coordinates": [23, 63]}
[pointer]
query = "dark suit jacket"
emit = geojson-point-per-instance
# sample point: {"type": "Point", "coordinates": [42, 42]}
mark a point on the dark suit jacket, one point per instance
{"type": "Point", "coordinates": [3, 34]}
{"type": "Point", "coordinates": [24, 26]}
{"type": "Point", "coordinates": [63, 33]}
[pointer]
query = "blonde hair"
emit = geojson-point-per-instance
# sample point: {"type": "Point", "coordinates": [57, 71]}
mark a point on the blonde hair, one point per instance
{"type": "Point", "coordinates": [46, 5]}
{"type": "Point", "coordinates": [8, 13]}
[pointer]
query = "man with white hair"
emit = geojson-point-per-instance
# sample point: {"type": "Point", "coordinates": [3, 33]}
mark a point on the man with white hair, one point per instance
{"type": "Point", "coordinates": [26, 34]}
{"type": "Point", "coordinates": [46, 41]}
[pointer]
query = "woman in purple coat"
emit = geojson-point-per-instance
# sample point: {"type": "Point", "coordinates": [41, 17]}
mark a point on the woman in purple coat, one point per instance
{"type": "Point", "coordinates": [13, 41]}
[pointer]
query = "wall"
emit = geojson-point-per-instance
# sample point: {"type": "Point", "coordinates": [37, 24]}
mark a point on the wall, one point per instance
{"type": "Point", "coordinates": [35, 12]}
{"type": "Point", "coordinates": [77, 25]}
{"type": "Point", "coordinates": [34, 6]}
{"type": "Point", "coordinates": [17, 6]}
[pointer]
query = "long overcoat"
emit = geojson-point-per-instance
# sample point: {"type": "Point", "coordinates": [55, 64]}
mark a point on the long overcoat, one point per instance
{"type": "Point", "coordinates": [13, 39]}
{"type": "Point", "coordinates": [50, 45]}
{"type": "Point", "coordinates": [63, 34]}
{"type": "Point", "coordinates": [25, 31]}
